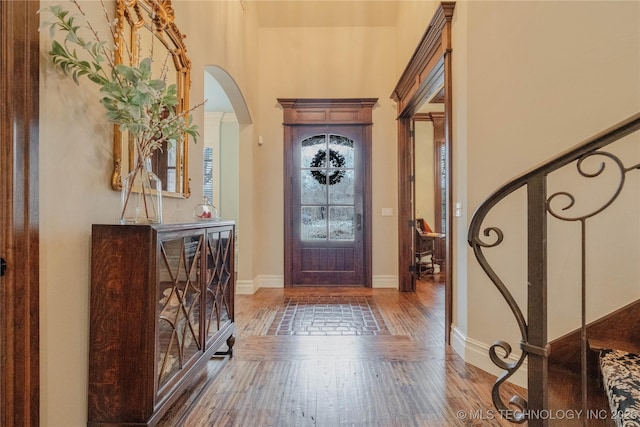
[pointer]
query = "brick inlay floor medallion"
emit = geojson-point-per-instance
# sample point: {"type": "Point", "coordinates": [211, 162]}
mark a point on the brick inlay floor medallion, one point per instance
{"type": "Point", "coordinates": [328, 315]}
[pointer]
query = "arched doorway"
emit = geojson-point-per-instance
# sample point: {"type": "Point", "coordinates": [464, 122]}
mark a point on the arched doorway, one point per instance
{"type": "Point", "coordinates": [225, 113]}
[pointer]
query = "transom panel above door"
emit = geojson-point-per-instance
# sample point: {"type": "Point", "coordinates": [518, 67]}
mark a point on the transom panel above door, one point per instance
{"type": "Point", "coordinates": [327, 189]}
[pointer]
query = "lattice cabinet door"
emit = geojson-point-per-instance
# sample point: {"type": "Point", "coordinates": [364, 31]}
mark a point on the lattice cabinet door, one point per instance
{"type": "Point", "coordinates": [179, 304]}
{"type": "Point", "coordinates": [219, 281]}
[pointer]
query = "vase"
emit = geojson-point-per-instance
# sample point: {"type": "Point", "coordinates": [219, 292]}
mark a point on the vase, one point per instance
{"type": "Point", "coordinates": [141, 198]}
{"type": "Point", "coordinates": [205, 211]}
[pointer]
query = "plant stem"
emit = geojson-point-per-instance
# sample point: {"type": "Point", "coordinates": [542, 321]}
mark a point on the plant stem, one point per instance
{"type": "Point", "coordinates": [126, 200]}
{"type": "Point", "coordinates": [142, 167]}
{"type": "Point", "coordinates": [138, 169]}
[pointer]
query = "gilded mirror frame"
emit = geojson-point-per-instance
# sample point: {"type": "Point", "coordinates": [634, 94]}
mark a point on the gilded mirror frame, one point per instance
{"type": "Point", "coordinates": [154, 19]}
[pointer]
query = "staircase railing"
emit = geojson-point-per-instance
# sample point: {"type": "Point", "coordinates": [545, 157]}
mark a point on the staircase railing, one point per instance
{"type": "Point", "coordinates": [533, 330]}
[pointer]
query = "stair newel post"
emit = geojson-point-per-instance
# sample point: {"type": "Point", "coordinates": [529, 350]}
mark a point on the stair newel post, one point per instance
{"type": "Point", "coordinates": [537, 346]}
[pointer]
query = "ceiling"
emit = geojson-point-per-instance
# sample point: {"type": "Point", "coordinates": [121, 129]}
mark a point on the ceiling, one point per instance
{"type": "Point", "coordinates": [326, 13]}
{"type": "Point", "coordinates": [307, 13]}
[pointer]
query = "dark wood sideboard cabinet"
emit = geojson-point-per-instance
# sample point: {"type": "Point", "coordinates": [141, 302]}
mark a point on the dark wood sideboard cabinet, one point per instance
{"type": "Point", "coordinates": [161, 306]}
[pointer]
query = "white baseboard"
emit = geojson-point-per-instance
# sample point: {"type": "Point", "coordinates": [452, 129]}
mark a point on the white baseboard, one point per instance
{"type": "Point", "coordinates": [458, 342]}
{"type": "Point", "coordinates": [269, 281]}
{"type": "Point", "coordinates": [249, 287]}
{"type": "Point", "coordinates": [245, 287]}
{"type": "Point", "coordinates": [477, 354]}
{"type": "Point", "coordinates": [385, 281]}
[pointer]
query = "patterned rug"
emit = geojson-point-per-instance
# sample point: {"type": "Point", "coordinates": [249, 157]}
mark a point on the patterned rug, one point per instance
{"type": "Point", "coordinates": [328, 316]}
{"type": "Point", "coordinates": [621, 376]}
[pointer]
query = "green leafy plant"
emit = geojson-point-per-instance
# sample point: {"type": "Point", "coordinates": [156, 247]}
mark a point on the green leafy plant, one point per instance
{"type": "Point", "coordinates": [134, 100]}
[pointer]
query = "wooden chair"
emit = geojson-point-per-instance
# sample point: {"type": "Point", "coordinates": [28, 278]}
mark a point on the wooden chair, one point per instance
{"type": "Point", "coordinates": [424, 247]}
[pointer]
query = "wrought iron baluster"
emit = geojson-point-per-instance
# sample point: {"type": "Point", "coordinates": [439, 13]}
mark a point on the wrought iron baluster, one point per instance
{"type": "Point", "coordinates": [534, 333]}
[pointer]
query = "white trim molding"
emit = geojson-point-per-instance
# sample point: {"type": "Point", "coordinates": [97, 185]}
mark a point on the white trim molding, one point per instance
{"type": "Point", "coordinates": [476, 353]}
{"type": "Point", "coordinates": [245, 287]}
{"type": "Point", "coordinates": [249, 287]}
{"type": "Point", "coordinates": [270, 281]}
{"type": "Point", "coordinates": [385, 281]}
{"type": "Point", "coordinates": [229, 118]}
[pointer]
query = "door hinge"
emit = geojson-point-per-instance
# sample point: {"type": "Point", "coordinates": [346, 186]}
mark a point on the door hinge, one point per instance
{"type": "Point", "coordinates": [412, 133]}
{"type": "Point", "coordinates": [412, 268]}
{"type": "Point", "coordinates": [3, 266]}
{"type": "Point", "coordinates": [412, 178]}
{"type": "Point", "coordinates": [412, 223]}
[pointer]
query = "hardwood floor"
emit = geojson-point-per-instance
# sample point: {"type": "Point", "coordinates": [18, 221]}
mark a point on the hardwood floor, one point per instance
{"type": "Point", "coordinates": [407, 377]}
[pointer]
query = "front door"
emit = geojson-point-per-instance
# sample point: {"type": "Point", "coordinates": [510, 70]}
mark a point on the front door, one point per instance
{"type": "Point", "coordinates": [327, 189]}
{"type": "Point", "coordinates": [327, 206]}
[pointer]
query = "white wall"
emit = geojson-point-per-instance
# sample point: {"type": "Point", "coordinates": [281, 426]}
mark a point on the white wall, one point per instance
{"type": "Point", "coordinates": [75, 167]}
{"type": "Point", "coordinates": [413, 17]}
{"type": "Point", "coordinates": [326, 62]}
{"type": "Point", "coordinates": [530, 80]}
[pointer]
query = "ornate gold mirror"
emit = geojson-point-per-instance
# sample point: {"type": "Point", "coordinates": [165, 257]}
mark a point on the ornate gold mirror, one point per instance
{"type": "Point", "coordinates": [146, 28]}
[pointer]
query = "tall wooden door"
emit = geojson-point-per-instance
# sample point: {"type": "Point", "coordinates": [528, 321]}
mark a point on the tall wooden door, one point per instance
{"type": "Point", "coordinates": [328, 194]}
{"type": "Point", "coordinates": [327, 206]}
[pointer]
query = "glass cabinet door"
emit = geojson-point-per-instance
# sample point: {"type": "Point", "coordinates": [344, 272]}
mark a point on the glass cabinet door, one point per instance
{"type": "Point", "coordinates": [179, 304]}
{"type": "Point", "coordinates": [219, 272]}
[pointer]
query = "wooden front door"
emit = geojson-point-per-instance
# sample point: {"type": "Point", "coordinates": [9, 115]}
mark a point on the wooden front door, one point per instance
{"type": "Point", "coordinates": [328, 195]}
{"type": "Point", "coordinates": [327, 206]}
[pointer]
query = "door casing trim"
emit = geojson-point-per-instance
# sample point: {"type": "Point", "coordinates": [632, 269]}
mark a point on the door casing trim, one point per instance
{"type": "Point", "coordinates": [19, 296]}
{"type": "Point", "coordinates": [330, 112]}
{"type": "Point", "coordinates": [428, 68]}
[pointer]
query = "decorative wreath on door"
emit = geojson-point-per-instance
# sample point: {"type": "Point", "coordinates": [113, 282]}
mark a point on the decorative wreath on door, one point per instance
{"type": "Point", "coordinates": [336, 160]}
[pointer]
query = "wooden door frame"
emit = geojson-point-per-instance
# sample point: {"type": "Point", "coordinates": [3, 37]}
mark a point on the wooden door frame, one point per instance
{"type": "Point", "coordinates": [428, 70]}
{"type": "Point", "coordinates": [19, 297]}
{"type": "Point", "coordinates": [319, 112]}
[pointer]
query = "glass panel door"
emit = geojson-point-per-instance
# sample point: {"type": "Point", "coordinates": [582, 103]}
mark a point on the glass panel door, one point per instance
{"type": "Point", "coordinates": [327, 206]}
{"type": "Point", "coordinates": [219, 279]}
{"type": "Point", "coordinates": [178, 305]}
{"type": "Point", "coordinates": [327, 191]}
